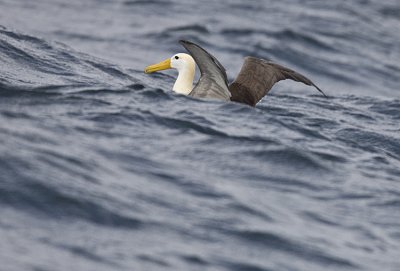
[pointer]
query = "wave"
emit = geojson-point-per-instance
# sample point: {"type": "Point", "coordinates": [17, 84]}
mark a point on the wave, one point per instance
{"type": "Point", "coordinates": [104, 164]}
{"type": "Point", "coordinates": [52, 64]}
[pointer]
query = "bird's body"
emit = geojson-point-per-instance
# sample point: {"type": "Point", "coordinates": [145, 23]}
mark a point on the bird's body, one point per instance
{"type": "Point", "coordinates": [255, 79]}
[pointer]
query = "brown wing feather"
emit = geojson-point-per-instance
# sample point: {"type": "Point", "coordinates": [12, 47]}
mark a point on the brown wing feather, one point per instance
{"type": "Point", "coordinates": [258, 76]}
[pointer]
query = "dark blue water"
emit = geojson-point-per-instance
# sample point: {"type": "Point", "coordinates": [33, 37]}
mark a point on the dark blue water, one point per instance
{"type": "Point", "coordinates": [103, 168]}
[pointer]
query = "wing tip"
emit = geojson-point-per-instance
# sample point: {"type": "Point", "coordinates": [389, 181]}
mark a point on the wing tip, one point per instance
{"type": "Point", "coordinates": [185, 42]}
{"type": "Point", "coordinates": [320, 90]}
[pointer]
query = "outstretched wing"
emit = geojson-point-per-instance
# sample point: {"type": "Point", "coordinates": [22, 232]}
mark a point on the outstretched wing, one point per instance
{"type": "Point", "coordinates": [213, 82]}
{"type": "Point", "coordinates": [257, 77]}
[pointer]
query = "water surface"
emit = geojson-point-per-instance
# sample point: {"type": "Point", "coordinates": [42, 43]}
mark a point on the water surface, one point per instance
{"type": "Point", "coordinates": [104, 168]}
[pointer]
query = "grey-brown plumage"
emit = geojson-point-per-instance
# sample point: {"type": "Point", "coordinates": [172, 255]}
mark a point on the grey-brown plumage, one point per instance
{"type": "Point", "coordinates": [253, 82]}
{"type": "Point", "coordinates": [258, 76]}
{"type": "Point", "coordinates": [213, 82]}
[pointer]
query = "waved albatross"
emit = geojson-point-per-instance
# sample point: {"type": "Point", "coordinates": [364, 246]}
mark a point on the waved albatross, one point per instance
{"type": "Point", "coordinates": [255, 79]}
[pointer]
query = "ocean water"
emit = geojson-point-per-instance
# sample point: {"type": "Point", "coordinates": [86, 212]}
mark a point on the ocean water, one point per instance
{"type": "Point", "coordinates": [104, 168]}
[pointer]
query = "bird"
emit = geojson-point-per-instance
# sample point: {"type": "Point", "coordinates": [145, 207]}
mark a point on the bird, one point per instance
{"type": "Point", "coordinates": [255, 79]}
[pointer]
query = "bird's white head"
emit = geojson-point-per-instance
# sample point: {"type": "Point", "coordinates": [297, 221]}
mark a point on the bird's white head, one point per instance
{"type": "Point", "coordinates": [182, 62]}
{"type": "Point", "coordinates": [186, 67]}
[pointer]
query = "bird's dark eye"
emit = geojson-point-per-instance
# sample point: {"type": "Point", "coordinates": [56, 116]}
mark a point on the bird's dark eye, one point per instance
{"type": "Point", "coordinates": [176, 57]}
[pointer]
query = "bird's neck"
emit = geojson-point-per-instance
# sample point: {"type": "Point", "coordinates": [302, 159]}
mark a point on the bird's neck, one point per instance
{"type": "Point", "coordinates": [184, 82]}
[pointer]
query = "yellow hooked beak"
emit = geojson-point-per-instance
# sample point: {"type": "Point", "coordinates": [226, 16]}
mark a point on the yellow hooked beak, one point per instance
{"type": "Point", "coordinates": [163, 65]}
